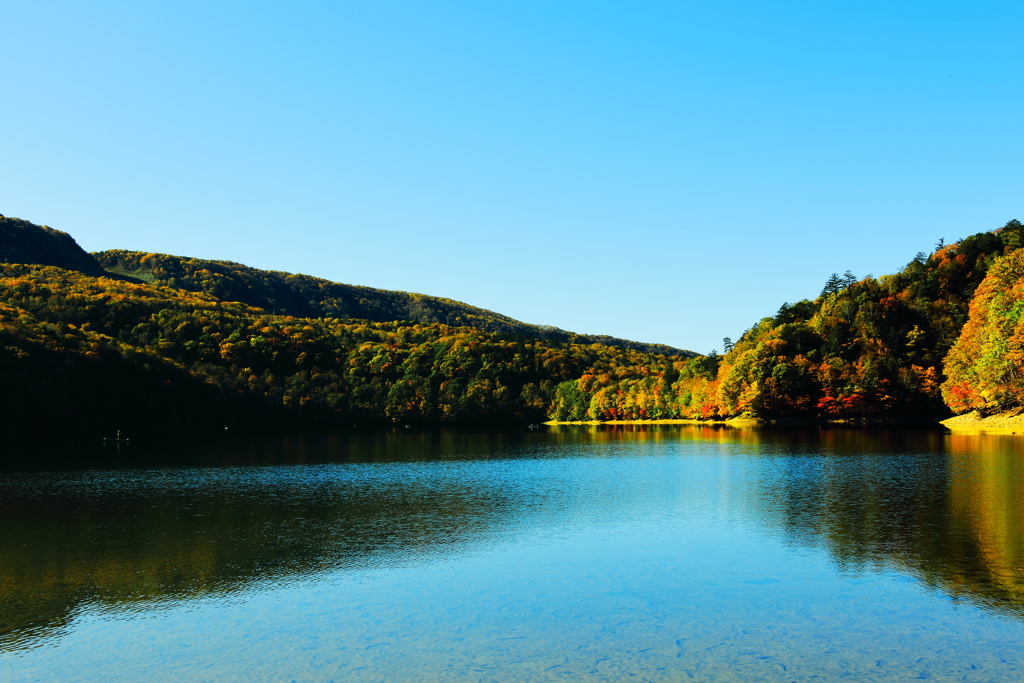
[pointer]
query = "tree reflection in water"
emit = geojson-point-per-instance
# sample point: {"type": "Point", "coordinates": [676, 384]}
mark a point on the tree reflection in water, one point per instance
{"type": "Point", "coordinates": [945, 509]}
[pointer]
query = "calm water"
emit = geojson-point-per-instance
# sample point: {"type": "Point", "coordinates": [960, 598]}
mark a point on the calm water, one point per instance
{"type": "Point", "coordinates": [586, 554]}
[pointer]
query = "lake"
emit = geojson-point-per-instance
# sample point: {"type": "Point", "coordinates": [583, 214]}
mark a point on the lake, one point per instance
{"type": "Point", "coordinates": [577, 553]}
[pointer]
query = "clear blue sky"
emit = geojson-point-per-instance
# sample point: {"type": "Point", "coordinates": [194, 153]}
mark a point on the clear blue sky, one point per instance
{"type": "Point", "coordinates": [661, 171]}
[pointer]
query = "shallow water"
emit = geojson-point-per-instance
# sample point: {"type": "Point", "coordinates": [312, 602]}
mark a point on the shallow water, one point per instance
{"type": "Point", "coordinates": [658, 553]}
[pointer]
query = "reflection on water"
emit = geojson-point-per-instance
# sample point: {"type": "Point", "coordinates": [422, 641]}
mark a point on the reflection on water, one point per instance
{"type": "Point", "coordinates": [131, 537]}
{"type": "Point", "coordinates": [949, 511]}
{"type": "Point", "coordinates": [241, 516]}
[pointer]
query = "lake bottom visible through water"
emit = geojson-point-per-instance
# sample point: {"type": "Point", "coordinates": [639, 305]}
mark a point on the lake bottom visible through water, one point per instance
{"type": "Point", "coordinates": [665, 553]}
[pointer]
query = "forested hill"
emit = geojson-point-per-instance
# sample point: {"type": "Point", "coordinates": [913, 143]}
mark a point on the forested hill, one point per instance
{"type": "Point", "coordinates": [24, 242]}
{"type": "Point", "coordinates": [864, 347]}
{"type": "Point", "coordinates": [946, 332]}
{"type": "Point", "coordinates": [83, 351]}
{"type": "Point", "coordinates": [310, 297]}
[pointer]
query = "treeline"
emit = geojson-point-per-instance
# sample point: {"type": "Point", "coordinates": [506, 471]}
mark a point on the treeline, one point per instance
{"type": "Point", "coordinates": [84, 350]}
{"type": "Point", "coordinates": [81, 350]}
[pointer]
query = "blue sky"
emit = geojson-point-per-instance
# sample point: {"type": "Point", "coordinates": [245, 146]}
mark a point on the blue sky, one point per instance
{"type": "Point", "coordinates": [662, 171]}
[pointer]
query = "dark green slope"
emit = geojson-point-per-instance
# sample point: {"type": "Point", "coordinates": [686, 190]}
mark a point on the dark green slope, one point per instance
{"type": "Point", "coordinates": [24, 242]}
{"type": "Point", "coordinates": [310, 297]}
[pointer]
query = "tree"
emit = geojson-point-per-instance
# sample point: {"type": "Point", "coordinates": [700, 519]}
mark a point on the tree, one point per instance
{"type": "Point", "coordinates": [984, 367]}
{"type": "Point", "coordinates": [833, 285]}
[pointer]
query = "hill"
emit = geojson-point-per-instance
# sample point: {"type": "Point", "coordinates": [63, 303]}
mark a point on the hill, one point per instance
{"type": "Point", "coordinates": [223, 345]}
{"type": "Point", "coordinates": [863, 348]}
{"type": "Point", "coordinates": [310, 297]}
{"type": "Point", "coordinates": [82, 351]}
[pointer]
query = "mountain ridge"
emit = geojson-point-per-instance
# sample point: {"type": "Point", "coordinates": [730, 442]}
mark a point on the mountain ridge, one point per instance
{"type": "Point", "coordinates": [277, 292]}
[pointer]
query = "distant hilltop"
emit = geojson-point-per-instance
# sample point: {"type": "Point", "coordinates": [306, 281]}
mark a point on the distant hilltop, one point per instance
{"type": "Point", "coordinates": [24, 242]}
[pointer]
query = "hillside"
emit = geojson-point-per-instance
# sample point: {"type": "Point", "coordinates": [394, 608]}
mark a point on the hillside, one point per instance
{"type": "Point", "coordinates": [310, 297]}
{"type": "Point", "coordinates": [863, 348]}
{"type": "Point", "coordinates": [87, 351]}
{"type": "Point", "coordinates": [206, 343]}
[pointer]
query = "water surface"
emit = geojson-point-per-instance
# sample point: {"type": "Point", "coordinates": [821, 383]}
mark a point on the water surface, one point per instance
{"type": "Point", "coordinates": [659, 553]}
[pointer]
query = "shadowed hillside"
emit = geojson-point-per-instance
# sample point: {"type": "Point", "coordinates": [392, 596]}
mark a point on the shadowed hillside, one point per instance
{"type": "Point", "coordinates": [24, 242]}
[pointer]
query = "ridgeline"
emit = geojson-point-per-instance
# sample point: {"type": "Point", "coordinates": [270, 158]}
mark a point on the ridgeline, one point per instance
{"type": "Point", "coordinates": [303, 296]}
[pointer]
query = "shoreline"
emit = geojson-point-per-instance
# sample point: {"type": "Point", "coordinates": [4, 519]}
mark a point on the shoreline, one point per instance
{"type": "Point", "coordinates": [777, 422]}
{"type": "Point", "coordinates": [739, 422]}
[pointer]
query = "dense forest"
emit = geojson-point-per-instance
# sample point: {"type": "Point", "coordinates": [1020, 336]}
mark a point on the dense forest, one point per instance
{"type": "Point", "coordinates": [150, 339]}
{"type": "Point", "coordinates": [984, 368]}
{"type": "Point", "coordinates": [155, 354]}
{"type": "Point", "coordinates": [870, 347]}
